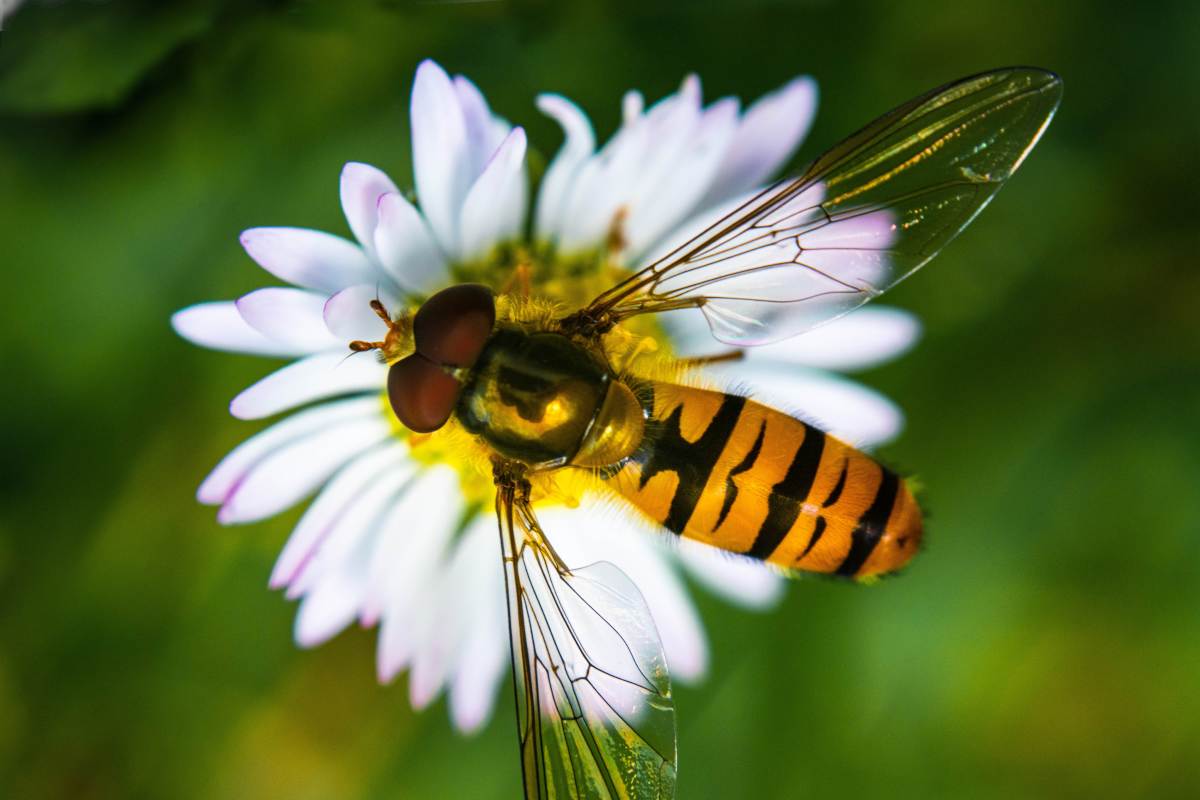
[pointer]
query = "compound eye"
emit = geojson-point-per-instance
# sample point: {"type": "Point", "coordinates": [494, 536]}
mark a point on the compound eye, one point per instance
{"type": "Point", "coordinates": [421, 393]}
{"type": "Point", "coordinates": [453, 325]}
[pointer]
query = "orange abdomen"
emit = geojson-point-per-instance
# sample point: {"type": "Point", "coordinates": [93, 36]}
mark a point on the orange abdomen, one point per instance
{"type": "Point", "coordinates": [738, 475]}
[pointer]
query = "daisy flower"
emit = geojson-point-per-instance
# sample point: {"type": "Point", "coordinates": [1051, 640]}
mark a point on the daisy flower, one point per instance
{"type": "Point", "coordinates": [399, 533]}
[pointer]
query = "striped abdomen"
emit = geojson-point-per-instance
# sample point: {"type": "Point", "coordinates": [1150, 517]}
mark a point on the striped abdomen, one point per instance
{"type": "Point", "coordinates": [730, 472]}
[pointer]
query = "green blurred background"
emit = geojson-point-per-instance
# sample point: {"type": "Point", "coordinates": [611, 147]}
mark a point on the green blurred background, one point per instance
{"type": "Point", "coordinates": [1047, 643]}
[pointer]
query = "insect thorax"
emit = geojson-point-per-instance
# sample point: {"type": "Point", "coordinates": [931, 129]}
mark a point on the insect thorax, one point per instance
{"type": "Point", "coordinates": [546, 401]}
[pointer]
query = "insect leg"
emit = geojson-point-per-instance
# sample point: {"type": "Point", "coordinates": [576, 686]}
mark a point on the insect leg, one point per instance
{"type": "Point", "coordinates": [719, 358]}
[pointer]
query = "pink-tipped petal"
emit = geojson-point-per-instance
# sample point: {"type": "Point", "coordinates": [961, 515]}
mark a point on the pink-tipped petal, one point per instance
{"type": "Point", "coordinates": [287, 315]}
{"type": "Point", "coordinates": [406, 247]}
{"type": "Point", "coordinates": [487, 214]}
{"type": "Point", "coordinates": [361, 187]}
{"type": "Point", "coordinates": [741, 580]}
{"type": "Point", "coordinates": [767, 137]}
{"type": "Point", "coordinates": [219, 326]}
{"type": "Point", "coordinates": [310, 259]}
{"type": "Point", "coordinates": [441, 158]}
{"type": "Point", "coordinates": [875, 230]}
{"type": "Point", "coordinates": [294, 471]}
{"type": "Point", "coordinates": [234, 466]}
{"type": "Point", "coordinates": [348, 314]}
{"type": "Point", "coordinates": [313, 378]}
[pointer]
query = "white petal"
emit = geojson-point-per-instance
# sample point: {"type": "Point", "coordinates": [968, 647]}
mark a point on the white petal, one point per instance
{"type": "Point", "coordinates": [653, 170]}
{"type": "Point", "coordinates": [312, 378]}
{"type": "Point", "coordinates": [475, 683]}
{"type": "Point", "coordinates": [308, 258]}
{"type": "Point", "coordinates": [351, 537]}
{"type": "Point", "coordinates": [348, 314]}
{"type": "Point", "coordinates": [742, 580]}
{"type": "Point", "coordinates": [603, 185]}
{"type": "Point", "coordinates": [406, 248]}
{"type": "Point", "coordinates": [466, 598]}
{"type": "Point", "coordinates": [408, 546]}
{"type": "Point", "coordinates": [769, 133]}
{"type": "Point", "coordinates": [338, 495]}
{"type": "Point", "coordinates": [219, 325]}
{"type": "Point", "coordinates": [361, 186]}
{"type": "Point", "coordinates": [683, 638]}
{"type": "Point", "coordinates": [487, 215]}
{"type": "Point", "coordinates": [671, 133]}
{"type": "Point", "coordinates": [692, 227]}
{"type": "Point", "coordinates": [334, 580]}
{"type": "Point", "coordinates": [406, 569]}
{"type": "Point", "coordinates": [514, 202]}
{"type": "Point", "coordinates": [843, 408]}
{"type": "Point", "coordinates": [9, 8]}
{"type": "Point", "coordinates": [873, 231]}
{"type": "Point", "coordinates": [441, 158]}
{"type": "Point", "coordinates": [861, 339]}
{"type": "Point", "coordinates": [485, 132]}
{"type": "Point", "coordinates": [593, 532]}
{"type": "Point", "coordinates": [578, 145]}
{"type": "Point", "coordinates": [233, 468]}
{"type": "Point", "coordinates": [428, 673]}
{"type": "Point", "coordinates": [588, 204]}
{"type": "Point", "coordinates": [325, 612]}
{"type": "Point", "coordinates": [689, 332]}
{"type": "Point", "coordinates": [291, 473]}
{"type": "Point", "coordinates": [865, 338]}
{"type": "Point", "coordinates": [481, 658]}
{"type": "Point", "coordinates": [291, 316]}
{"type": "Point", "coordinates": [632, 104]}
{"type": "Point", "coordinates": [677, 193]}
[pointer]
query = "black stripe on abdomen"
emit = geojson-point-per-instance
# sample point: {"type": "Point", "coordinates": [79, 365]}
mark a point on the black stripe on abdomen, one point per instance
{"type": "Point", "coordinates": [841, 484]}
{"type": "Point", "coordinates": [783, 504]}
{"type": "Point", "coordinates": [871, 524]}
{"type": "Point", "coordinates": [818, 530]}
{"type": "Point", "coordinates": [731, 489]}
{"type": "Point", "coordinates": [692, 462]}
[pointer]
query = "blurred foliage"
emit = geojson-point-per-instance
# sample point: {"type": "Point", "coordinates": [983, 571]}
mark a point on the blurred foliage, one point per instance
{"type": "Point", "coordinates": [1046, 645]}
{"type": "Point", "coordinates": [99, 53]}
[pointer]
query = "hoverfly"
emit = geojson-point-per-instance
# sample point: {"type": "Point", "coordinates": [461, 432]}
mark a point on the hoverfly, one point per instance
{"type": "Point", "coordinates": [553, 394]}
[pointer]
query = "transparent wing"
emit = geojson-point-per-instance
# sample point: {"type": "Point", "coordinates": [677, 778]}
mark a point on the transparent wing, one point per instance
{"type": "Point", "coordinates": [594, 709]}
{"type": "Point", "coordinates": [862, 217]}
